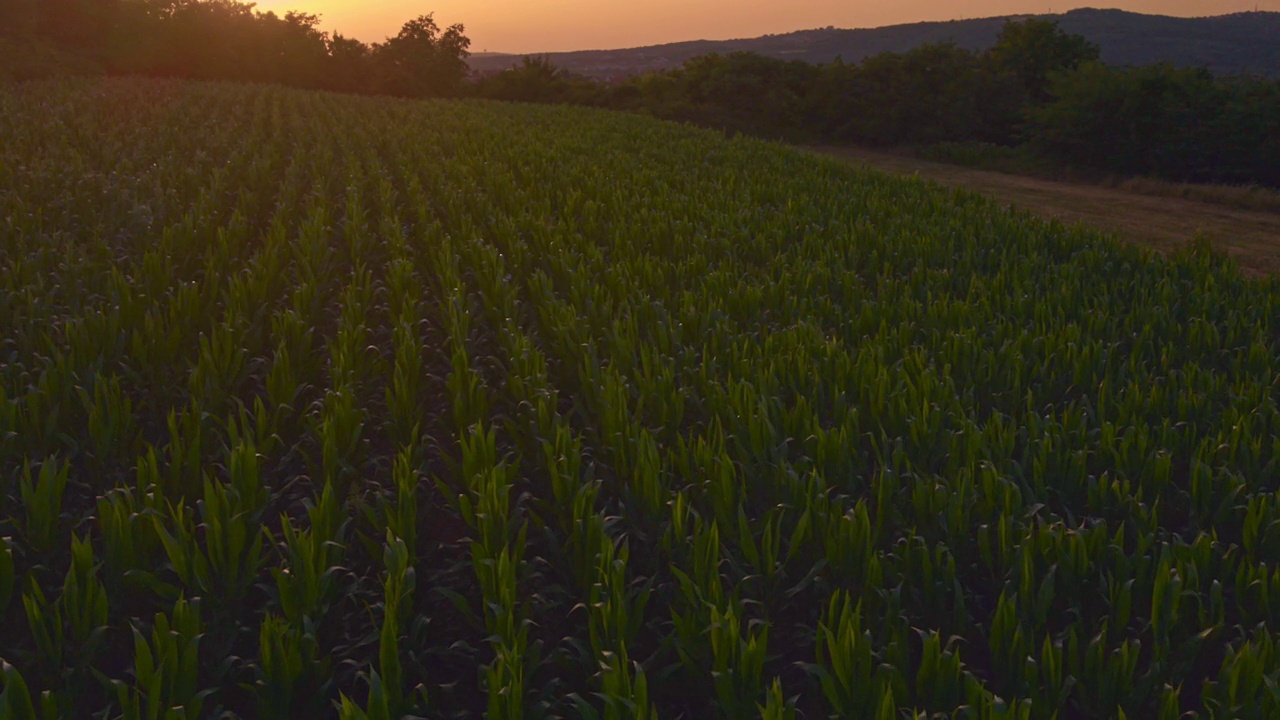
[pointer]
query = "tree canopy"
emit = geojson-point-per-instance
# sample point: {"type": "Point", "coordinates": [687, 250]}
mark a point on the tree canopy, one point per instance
{"type": "Point", "coordinates": [1033, 50]}
{"type": "Point", "coordinates": [231, 40]}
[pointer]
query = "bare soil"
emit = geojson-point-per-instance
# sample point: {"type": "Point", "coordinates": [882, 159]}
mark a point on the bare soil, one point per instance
{"type": "Point", "coordinates": [1250, 237]}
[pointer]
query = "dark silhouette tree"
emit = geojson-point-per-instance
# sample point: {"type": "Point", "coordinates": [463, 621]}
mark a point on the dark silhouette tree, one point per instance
{"type": "Point", "coordinates": [1152, 120]}
{"type": "Point", "coordinates": [537, 79]}
{"type": "Point", "coordinates": [422, 60]}
{"type": "Point", "coordinates": [1033, 50]}
{"type": "Point", "coordinates": [349, 66]}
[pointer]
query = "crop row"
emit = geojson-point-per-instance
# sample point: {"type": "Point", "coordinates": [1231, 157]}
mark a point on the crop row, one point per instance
{"type": "Point", "coordinates": [317, 405]}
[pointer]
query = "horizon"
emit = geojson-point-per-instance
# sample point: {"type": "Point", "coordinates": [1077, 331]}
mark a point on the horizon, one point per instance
{"type": "Point", "coordinates": [550, 26]}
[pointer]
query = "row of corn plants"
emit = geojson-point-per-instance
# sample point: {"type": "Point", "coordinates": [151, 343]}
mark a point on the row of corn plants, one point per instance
{"type": "Point", "coordinates": [316, 406]}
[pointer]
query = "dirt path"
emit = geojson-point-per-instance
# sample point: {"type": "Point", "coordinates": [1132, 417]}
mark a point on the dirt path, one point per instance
{"type": "Point", "coordinates": [1252, 237]}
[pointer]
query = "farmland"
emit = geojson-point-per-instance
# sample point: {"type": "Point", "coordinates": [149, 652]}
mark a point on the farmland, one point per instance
{"type": "Point", "coordinates": [319, 406]}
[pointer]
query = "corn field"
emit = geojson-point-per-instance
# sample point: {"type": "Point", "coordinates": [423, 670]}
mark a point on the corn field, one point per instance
{"type": "Point", "coordinates": [317, 406]}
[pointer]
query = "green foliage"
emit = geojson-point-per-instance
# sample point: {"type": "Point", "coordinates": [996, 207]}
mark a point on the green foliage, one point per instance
{"type": "Point", "coordinates": [1038, 100]}
{"type": "Point", "coordinates": [221, 561]}
{"type": "Point", "coordinates": [517, 410]}
{"type": "Point", "coordinates": [537, 79]}
{"type": "Point", "coordinates": [777, 707]}
{"type": "Point", "coordinates": [42, 503]}
{"type": "Point", "coordinates": [282, 664]}
{"type": "Point", "coordinates": [1160, 120]}
{"type": "Point", "coordinates": [166, 668]}
{"type": "Point", "coordinates": [422, 60]}
{"type": "Point", "coordinates": [1033, 50]}
{"type": "Point", "coordinates": [15, 696]}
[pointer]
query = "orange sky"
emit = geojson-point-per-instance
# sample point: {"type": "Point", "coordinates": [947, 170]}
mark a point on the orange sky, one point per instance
{"type": "Point", "coordinates": [552, 25]}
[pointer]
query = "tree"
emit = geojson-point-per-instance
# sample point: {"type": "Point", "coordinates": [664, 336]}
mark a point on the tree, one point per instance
{"type": "Point", "coordinates": [1033, 50]}
{"type": "Point", "coordinates": [422, 61]}
{"type": "Point", "coordinates": [746, 92]}
{"type": "Point", "coordinates": [934, 93]}
{"type": "Point", "coordinates": [349, 64]}
{"type": "Point", "coordinates": [293, 50]}
{"type": "Point", "coordinates": [537, 79]}
{"type": "Point", "coordinates": [1156, 120]}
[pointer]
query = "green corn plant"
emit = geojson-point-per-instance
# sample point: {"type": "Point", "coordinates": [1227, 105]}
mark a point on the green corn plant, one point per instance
{"type": "Point", "coordinates": [777, 706]}
{"type": "Point", "coordinates": [505, 676]}
{"type": "Point", "coordinates": [701, 594]}
{"type": "Point", "coordinates": [403, 287]}
{"type": "Point", "coordinates": [505, 681]}
{"type": "Point", "coordinates": [887, 708]}
{"type": "Point", "coordinates": [219, 367]}
{"type": "Point", "coordinates": [288, 662]}
{"type": "Point", "coordinates": [738, 657]}
{"type": "Point", "coordinates": [312, 557]}
{"type": "Point", "coordinates": [348, 710]}
{"type": "Point", "coordinates": [617, 610]}
{"type": "Point", "coordinates": [487, 508]}
{"type": "Point", "coordinates": [42, 503]}
{"type": "Point", "coordinates": [282, 383]}
{"type": "Point", "coordinates": [1169, 707]}
{"type": "Point", "coordinates": [72, 628]}
{"type": "Point", "coordinates": [940, 675]}
{"type": "Point", "coordinates": [466, 388]}
{"type": "Point", "coordinates": [404, 393]}
{"type": "Point", "coordinates": [112, 425]}
{"type": "Point", "coordinates": [563, 457]}
{"type": "Point", "coordinates": [181, 546]}
{"type": "Point", "coordinates": [348, 356]}
{"type": "Point", "coordinates": [184, 453]}
{"type": "Point", "coordinates": [1007, 641]}
{"type": "Point", "coordinates": [387, 698]}
{"type": "Point", "coordinates": [327, 522]}
{"type": "Point", "coordinates": [244, 471]}
{"type": "Point", "coordinates": [397, 608]}
{"type": "Point", "coordinates": [46, 622]}
{"type": "Point", "coordinates": [15, 697]}
{"type": "Point", "coordinates": [848, 542]}
{"type": "Point", "coordinates": [766, 555]}
{"type": "Point", "coordinates": [224, 562]}
{"type": "Point", "coordinates": [233, 536]}
{"type": "Point", "coordinates": [587, 538]}
{"type": "Point", "coordinates": [624, 690]}
{"type": "Point", "coordinates": [84, 600]}
{"type": "Point", "coordinates": [341, 429]}
{"type": "Point", "coordinates": [253, 428]}
{"type": "Point", "coordinates": [45, 410]}
{"type": "Point", "coordinates": [647, 485]}
{"type": "Point", "coordinates": [1247, 682]}
{"type": "Point", "coordinates": [845, 663]}
{"type": "Point", "coordinates": [305, 584]}
{"type": "Point", "coordinates": [375, 708]}
{"type": "Point", "coordinates": [166, 668]}
{"type": "Point", "coordinates": [129, 540]}
{"type": "Point", "coordinates": [401, 515]}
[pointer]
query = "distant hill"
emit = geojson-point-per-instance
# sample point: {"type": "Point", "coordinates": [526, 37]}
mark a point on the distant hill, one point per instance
{"type": "Point", "coordinates": [1242, 43]}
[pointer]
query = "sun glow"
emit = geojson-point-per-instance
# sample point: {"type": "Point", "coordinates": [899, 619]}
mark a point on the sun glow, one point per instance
{"type": "Point", "coordinates": [558, 25]}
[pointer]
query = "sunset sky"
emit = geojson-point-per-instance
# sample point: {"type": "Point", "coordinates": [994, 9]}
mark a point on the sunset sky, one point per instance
{"type": "Point", "coordinates": [554, 25]}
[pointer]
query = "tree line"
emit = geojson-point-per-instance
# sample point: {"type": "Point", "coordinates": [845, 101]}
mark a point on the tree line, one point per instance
{"type": "Point", "coordinates": [230, 40]}
{"type": "Point", "coordinates": [1038, 92]}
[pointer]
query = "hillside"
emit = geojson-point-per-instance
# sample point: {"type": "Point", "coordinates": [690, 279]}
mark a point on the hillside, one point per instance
{"type": "Point", "coordinates": [1243, 43]}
